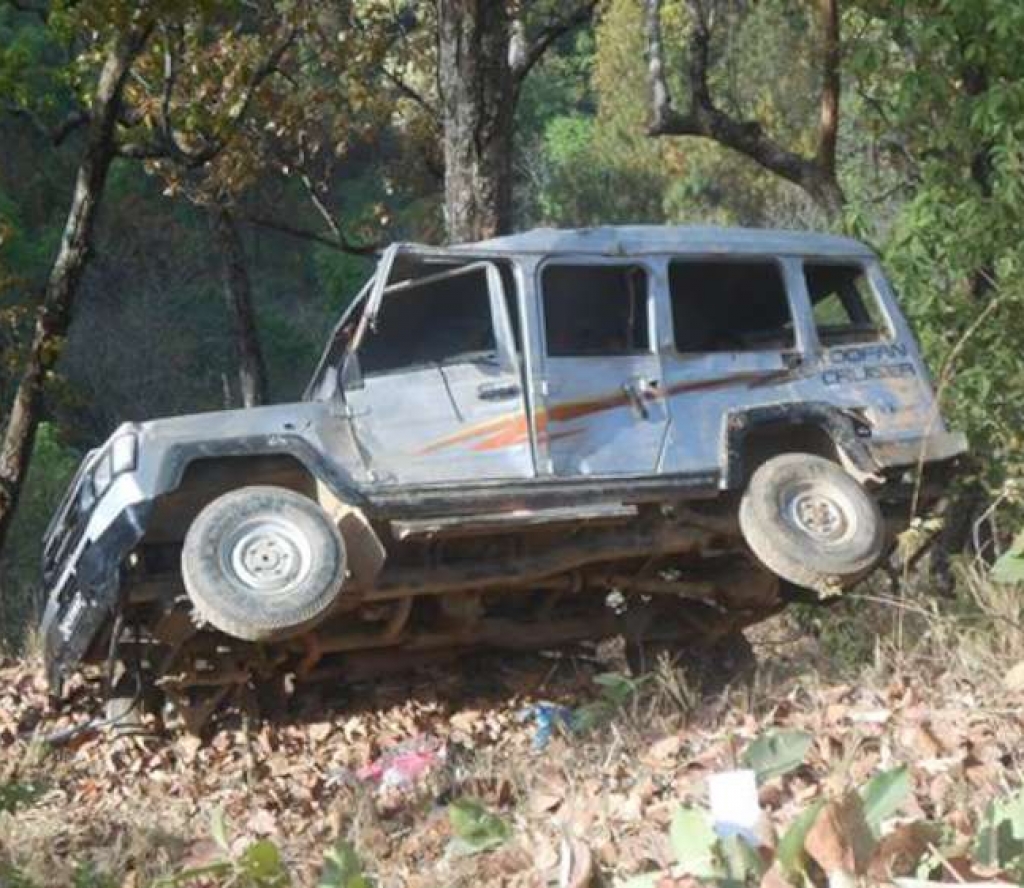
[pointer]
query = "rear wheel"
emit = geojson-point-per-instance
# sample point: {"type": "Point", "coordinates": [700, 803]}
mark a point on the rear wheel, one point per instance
{"type": "Point", "coordinates": [263, 562]}
{"type": "Point", "coordinates": [811, 523]}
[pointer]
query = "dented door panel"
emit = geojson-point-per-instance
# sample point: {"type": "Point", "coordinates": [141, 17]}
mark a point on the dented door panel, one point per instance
{"type": "Point", "coordinates": [603, 414]}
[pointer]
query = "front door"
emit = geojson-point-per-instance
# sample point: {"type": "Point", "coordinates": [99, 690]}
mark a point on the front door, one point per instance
{"type": "Point", "coordinates": [435, 389]}
{"type": "Point", "coordinates": [605, 411]}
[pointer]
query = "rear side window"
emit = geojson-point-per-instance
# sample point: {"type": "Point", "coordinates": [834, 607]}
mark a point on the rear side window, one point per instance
{"type": "Point", "coordinates": [438, 322]}
{"type": "Point", "coordinates": [845, 305]}
{"type": "Point", "coordinates": [594, 310]}
{"type": "Point", "coordinates": [728, 306]}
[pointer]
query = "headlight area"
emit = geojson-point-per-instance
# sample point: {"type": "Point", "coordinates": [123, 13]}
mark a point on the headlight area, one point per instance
{"type": "Point", "coordinates": [119, 457]}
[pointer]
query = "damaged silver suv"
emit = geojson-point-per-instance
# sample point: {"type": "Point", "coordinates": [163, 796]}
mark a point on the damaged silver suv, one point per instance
{"type": "Point", "coordinates": [541, 439]}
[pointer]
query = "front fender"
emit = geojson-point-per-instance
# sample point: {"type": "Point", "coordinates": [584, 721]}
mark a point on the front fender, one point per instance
{"type": "Point", "coordinates": [84, 587]}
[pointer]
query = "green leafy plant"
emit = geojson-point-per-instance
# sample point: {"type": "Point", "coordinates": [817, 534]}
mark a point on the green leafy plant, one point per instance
{"type": "Point", "coordinates": [476, 829]}
{"type": "Point", "coordinates": [86, 875]}
{"type": "Point", "coordinates": [617, 691]}
{"type": "Point", "coordinates": [343, 869]}
{"type": "Point", "coordinates": [258, 865]}
{"type": "Point", "coordinates": [1009, 567]}
{"type": "Point", "coordinates": [777, 753]}
{"type": "Point", "coordinates": [15, 794]}
{"type": "Point", "coordinates": [883, 796]}
{"type": "Point", "coordinates": [1000, 839]}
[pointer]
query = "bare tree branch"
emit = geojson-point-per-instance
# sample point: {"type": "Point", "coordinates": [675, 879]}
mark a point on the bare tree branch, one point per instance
{"type": "Point", "coordinates": [54, 134]}
{"type": "Point", "coordinates": [167, 145]}
{"type": "Point", "coordinates": [403, 87]}
{"type": "Point", "coordinates": [705, 119]}
{"type": "Point", "coordinates": [523, 60]}
{"type": "Point", "coordinates": [314, 236]}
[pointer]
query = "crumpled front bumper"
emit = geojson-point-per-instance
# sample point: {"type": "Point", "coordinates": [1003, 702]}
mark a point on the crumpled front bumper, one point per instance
{"type": "Point", "coordinates": [84, 594]}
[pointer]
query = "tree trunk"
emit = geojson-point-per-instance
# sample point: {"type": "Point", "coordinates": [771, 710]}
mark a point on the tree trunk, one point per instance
{"type": "Point", "coordinates": [252, 373]}
{"type": "Point", "coordinates": [477, 103]}
{"type": "Point", "coordinates": [55, 313]}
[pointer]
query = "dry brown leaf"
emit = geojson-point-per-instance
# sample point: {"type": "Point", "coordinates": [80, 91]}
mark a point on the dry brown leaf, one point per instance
{"type": "Point", "coordinates": [839, 840]}
{"type": "Point", "coordinates": [898, 852]}
{"type": "Point", "coordinates": [1014, 679]}
{"type": "Point", "coordinates": [320, 731]}
{"type": "Point", "coordinates": [262, 823]}
{"type": "Point", "coordinates": [577, 864]}
{"type": "Point", "coordinates": [663, 751]}
{"type": "Point", "coordinates": [774, 878]}
{"type": "Point", "coordinates": [188, 747]}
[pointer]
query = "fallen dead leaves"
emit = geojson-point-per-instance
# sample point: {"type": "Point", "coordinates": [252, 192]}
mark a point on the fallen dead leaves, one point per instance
{"type": "Point", "coordinates": [585, 810]}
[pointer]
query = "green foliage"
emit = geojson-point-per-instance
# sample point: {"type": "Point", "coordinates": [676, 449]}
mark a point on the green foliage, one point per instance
{"type": "Point", "coordinates": [258, 865]}
{"type": "Point", "coordinates": [776, 753]}
{"type": "Point", "coordinates": [694, 843]}
{"type": "Point", "coordinates": [1000, 839]}
{"type": "Point", "coordinates": [476, 829]}
{"type": "Point", "coordinates": [790, 853]}
{"type": "Point", "coordinates": [343, 869]}
{"type": "Point", "coordinates": [616, 692]}
{"type": "Point", "coordinates": [884, 795]}
{"type": "Point", "coordinates": [12, 877]}
{"type": "Point", "coordinates": [841, 827]}
{"type": "Point", "coordinates": [944, 95]}
{"type": "Point", "coordinates": [1010, 566]}
{"type": "Point", "coordinates": [86, 875]}
{"type": "Point", "coordinates": [52, 466]}
{"type": "Point", "coordinates": [17, 794]}
{"type": "Point", "coordinates": [339, 275]}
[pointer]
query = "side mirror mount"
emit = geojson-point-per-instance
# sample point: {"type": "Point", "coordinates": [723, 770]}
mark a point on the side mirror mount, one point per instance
{"type": "Point", "coordinates": [503, 335]}
{"type": "Point", "coordinates": [350, 374]}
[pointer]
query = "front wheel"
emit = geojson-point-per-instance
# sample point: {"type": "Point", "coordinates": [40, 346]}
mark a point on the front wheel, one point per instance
{"type": "Point", "coordinates": [263, 562]}
{"type": "Point", "coordinates": [811, 523]}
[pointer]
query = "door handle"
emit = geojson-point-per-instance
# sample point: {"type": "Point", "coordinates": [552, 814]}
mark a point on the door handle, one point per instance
{"type": "Point", "coordinates": [638, 390]}
{"type": "Point", "coordinates": [497, 391]}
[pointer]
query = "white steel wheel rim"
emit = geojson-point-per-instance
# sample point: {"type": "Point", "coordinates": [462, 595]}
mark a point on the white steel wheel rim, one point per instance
{"type": "Point", "coordinates": [269, 555]}
{"type": "Point", "coordinates": [821, 513]}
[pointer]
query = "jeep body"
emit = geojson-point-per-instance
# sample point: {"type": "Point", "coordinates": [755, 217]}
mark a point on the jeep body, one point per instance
{"type": "Point", "coordinates": [527, 441]}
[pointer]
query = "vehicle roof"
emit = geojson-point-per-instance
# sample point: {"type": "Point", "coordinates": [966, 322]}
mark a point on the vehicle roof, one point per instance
{"type": "Point", "coordinates": [618, 240]}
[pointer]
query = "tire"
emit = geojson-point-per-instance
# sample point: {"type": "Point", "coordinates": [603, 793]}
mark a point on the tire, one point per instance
{"type": "Point", "coordinates": [263, 562]}
{"type": "Point", "coordinates": [811, 523]}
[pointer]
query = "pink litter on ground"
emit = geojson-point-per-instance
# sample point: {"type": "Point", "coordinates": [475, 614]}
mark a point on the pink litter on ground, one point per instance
{"type": "Point", "coordinates": [404, 765]}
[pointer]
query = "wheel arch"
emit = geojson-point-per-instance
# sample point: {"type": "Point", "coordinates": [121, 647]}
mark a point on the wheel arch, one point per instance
{"type": "Point", "coordinates": [752, 436]}
{"type": "Point", "coordinates": [194, 477]}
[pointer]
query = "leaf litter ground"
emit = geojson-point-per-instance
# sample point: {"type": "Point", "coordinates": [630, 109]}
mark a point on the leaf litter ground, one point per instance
{"type": "Point", "coordinates": [482, 804]}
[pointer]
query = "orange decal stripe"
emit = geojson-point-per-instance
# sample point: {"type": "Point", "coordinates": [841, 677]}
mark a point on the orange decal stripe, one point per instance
{"type": "Point", "coordinates": [513, 429]}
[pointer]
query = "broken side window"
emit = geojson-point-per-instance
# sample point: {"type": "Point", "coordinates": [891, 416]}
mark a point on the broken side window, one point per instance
{"type": "Point", "coordinates": [595, 310]}
{"type": "Point", "coordinates": [721, 305]}
{"type": "Point", "coordinates": [441, 321]}
{"type": "Point", "coordinates": [846, 308]}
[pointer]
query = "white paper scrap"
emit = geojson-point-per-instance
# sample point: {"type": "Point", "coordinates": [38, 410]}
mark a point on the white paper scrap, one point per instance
{"type": "Point", "coordinates": [734, 806]}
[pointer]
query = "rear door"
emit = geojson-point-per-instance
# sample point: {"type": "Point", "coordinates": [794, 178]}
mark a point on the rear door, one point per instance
{"type": "Point", "coordinates": [734, 345]}
{"type": "Point", "coordinates": [604, 411]}
{"type": "Point", "coordinates": [435, 390]}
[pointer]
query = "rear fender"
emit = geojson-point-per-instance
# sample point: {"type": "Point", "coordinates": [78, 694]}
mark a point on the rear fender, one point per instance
{"type": "Point", "coordinates": [838, 427]}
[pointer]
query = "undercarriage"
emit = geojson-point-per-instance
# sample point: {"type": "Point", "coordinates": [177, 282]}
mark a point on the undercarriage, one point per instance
{"type": "Point", "coordinates": [666, 575]}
